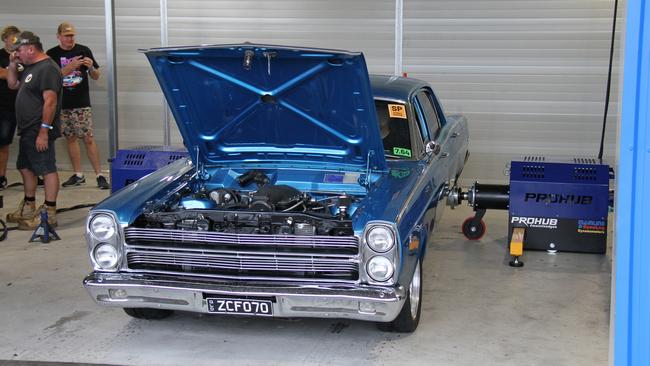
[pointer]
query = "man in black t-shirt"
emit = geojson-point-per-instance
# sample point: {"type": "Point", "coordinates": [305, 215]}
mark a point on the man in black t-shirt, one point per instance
{"type": "Point", "coordinates": [7, 101]}
{"type": "Point", "coordinates": [38, 104]}
{"type": "Point", "coordinates": [77, 64]}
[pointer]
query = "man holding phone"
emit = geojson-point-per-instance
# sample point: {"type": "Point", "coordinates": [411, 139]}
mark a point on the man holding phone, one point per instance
{"type": "Point", "coordinates": [77, 64]}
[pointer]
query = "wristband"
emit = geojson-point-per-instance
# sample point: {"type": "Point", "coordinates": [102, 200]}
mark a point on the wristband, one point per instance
{"type": "Point", "coordinates": [45, 125]}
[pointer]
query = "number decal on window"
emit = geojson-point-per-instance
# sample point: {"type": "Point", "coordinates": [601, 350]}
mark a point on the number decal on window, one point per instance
{"type": "Point", "coordinates": [400, 151]}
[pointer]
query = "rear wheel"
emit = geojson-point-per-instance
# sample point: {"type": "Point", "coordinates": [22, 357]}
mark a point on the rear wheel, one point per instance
{"type": "Point", "coordinates": [409, 317]}
{"type": "Point", "coordinates": [150, 314]}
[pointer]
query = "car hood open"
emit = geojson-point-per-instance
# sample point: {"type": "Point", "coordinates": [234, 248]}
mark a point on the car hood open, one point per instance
{"type": "Point", "coordinates": [271, 104]}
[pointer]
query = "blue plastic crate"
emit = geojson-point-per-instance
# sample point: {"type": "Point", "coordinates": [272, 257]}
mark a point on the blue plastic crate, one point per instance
{"type": "Point", "coordinates": [132, 164]}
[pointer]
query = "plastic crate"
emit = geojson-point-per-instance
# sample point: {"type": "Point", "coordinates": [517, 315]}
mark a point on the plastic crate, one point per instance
{"type": "Point", "coordinates": [132, 164]}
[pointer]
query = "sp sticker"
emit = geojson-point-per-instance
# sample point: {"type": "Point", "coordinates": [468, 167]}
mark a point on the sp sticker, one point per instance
{"type": "Point", "coordinates": [396, 111]}
{"type": "Point", "coordinates": [400, 151]}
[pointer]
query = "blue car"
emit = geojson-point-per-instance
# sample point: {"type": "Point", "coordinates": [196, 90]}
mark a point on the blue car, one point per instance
{"type": "Point", "coordinates": [311, 190]}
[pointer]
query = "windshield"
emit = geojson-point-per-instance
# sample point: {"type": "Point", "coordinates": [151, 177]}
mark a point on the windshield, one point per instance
{"type": "Point", "coordinates": [394, 128]}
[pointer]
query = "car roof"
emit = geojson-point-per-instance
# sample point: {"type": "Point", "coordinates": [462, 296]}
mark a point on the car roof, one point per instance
{"type": "Point", "coordinates": [394, 87]}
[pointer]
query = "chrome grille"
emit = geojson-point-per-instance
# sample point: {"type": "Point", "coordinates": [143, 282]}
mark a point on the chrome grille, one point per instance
{"type": "Point", "coordinates": [242, 255]}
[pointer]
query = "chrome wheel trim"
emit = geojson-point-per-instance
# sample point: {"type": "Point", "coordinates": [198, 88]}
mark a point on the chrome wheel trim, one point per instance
{"type": "Point", "coordinates": [414, 291]}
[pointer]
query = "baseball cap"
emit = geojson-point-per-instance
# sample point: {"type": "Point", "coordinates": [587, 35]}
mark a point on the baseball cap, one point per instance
{"type": "Point", "coordinates": [25, 38]}
{"type": "Point", "coordinates": [66, 29]}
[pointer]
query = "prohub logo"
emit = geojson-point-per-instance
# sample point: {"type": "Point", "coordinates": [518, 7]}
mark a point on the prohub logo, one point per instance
{"type": "Point", "coordinates": [562, 199]}
{"type": "Point", "coordinates": [536, 222]}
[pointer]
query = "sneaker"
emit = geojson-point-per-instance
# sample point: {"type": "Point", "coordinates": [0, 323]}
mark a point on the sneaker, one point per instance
{"type": "Point", "coordinates": [75, 180]}
{"type": "Point", "coordinates": [25, 211]}
{"type": "Point", "coordinates": [3, 182]}
{"type": "Point", "coordinates": [33, 223]}
{"type": "Point", "coordinates": [39, 181]}
{"type": "Point", "coordinates": [102, 183]}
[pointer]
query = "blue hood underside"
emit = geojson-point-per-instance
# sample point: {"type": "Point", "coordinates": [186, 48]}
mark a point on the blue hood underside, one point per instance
{"type": "Point", "coordinates": [272, 104]}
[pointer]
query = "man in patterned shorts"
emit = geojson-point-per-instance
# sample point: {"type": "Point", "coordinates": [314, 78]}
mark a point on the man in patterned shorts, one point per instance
{"type": "Point", "coordinates": [77, 64]}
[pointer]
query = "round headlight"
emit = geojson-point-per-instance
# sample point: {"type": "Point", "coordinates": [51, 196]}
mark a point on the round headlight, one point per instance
{"type": "Point", "coordinates": [380, 239]}
{"type": "Point", "coordinates": [103, 227]}
{"type": "Point", "coordinates": [379, 268]}
{"type": "Point", "coordinates": [106, 256]}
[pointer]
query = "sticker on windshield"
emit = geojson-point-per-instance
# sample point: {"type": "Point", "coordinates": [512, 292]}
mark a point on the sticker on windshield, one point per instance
{"type": "Point", "coordinates": [400, 173]}
{"type": "Point", "coordinates": [400, 151]}
{"type": "Point", "coordinates": [333, 178]}
{"type": "Point", "coordinates": [396, 111]}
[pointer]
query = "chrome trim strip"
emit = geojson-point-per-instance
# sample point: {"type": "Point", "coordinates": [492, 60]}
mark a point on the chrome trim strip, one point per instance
{"type": "Point", "coordinates": [239, 239]}
{"type": "Point", "coordinates": [243, 278]}
{"type": "Point", "coordinates": [238, 253]}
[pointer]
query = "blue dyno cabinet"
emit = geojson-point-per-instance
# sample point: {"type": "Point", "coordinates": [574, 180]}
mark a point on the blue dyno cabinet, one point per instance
{"type": "Point", "coordinates": [632, 267]}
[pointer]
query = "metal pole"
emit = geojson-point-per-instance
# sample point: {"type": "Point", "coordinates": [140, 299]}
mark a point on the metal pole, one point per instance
{"type": "Point", "coordinates": [164, 32]}
{"type": "Point", "coordinates": [111, 76]}
{"type": "Point", "coordinates": [399, 31]}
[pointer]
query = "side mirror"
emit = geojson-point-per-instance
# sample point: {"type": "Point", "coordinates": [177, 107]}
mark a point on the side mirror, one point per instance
{"type": "Point", "coordinates": [432, 148]}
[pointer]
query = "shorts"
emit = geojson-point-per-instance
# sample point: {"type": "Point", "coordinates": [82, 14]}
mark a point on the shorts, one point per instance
{"type": "Point", "coordinates": [77, 122]}
{"type": "Point", "coordinates": [39, 162]}
{"type": "Point", "coordinates": [7, 127]}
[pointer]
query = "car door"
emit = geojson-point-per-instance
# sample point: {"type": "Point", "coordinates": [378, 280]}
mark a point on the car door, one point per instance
{"type": "Point", "coordinates": [437, 161]}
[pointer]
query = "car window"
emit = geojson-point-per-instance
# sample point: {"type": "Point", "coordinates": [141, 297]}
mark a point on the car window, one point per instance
{"type": "Point", "coordinates": [394, 129]}
{"type": "Point", "coordinates": [429, 113]}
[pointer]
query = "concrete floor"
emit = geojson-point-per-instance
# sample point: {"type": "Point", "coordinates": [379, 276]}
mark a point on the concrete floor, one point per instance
{"type": "Point", "coordinates": [476, 310]}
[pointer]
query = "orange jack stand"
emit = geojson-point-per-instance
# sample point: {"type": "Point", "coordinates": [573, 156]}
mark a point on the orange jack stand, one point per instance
{"type": "Point", "coordinates": [517, 246]}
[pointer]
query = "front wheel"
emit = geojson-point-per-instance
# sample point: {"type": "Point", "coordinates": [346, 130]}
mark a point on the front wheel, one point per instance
{"type": "Point", "coordinates": [409, 317]}
{"type": "Point", "coordinates": [149, 314]}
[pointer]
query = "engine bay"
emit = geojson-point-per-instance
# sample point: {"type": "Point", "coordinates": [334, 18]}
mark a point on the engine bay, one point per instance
{"type": "Point", "coordinates": [273, 209]}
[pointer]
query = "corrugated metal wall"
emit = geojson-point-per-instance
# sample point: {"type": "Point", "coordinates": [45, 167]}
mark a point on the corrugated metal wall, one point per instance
{"type": "Point", "coordinates": [529, 75]}
{"type": "Point", "coordinates": [332, 24]}
{"type": "Point", "coordinates": [43, 18]}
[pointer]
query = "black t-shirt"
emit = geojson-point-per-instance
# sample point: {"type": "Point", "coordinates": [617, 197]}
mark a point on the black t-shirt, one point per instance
{"type": "Point", "coordinates": [7, 96]}
{"type": "Point", "coordinates": [75, 85]}
{"type": "Point", "coordinates": [35, 79]}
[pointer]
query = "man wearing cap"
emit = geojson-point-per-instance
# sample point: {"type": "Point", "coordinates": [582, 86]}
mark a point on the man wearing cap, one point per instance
{"type": "Point", "coordinates": [77, 64]}
{"type": "Point", "coordinates": [38, 104]}
{"type": "Point", "coordinates": [7, 102]}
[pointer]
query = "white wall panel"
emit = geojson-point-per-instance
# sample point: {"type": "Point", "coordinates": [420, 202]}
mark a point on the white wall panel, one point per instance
{"type": "Point", "coordinates": [43, 18]}
{"type": "Point", "coordinates": [529, 75]}
{"type": "Point", "coordinates": [315, 23]}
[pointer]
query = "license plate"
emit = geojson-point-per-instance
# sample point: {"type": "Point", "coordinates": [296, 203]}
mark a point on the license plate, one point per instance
{"type": "Point", "coordinates": [240, 306]}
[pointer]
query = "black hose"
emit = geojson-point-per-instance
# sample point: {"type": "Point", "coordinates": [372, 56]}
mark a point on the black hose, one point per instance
{"type": "Point", "coordinates": [609, 83]}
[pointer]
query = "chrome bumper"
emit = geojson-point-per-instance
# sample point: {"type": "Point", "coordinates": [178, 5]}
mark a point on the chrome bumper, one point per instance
{"type": "Point", "coordinates": [371, 303]}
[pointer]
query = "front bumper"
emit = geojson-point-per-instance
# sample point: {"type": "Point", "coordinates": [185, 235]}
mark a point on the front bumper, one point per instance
{"type": "Point", "coordinates": [362, 302]}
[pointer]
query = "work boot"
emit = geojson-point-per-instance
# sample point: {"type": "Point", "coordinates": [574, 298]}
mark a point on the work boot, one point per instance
{"type": "Point", "coordinates": [25, 211]}
{"type": "Point", "coordinates": [33, 223]}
